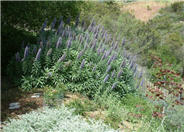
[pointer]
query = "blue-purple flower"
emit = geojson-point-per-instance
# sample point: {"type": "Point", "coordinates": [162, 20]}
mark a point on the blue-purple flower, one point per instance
{"type": "Point", "coordinates": [38, 54]}
{"type": "Point", "coordinates": [114, 85]}
{"type": "Point", "coordinates": [53, 23]}
{"type": "Point", "coordinates": [58, 42]}
{"type": "Point", "coordinates": [26, 52]}
{"type": "Point", "coordinates": [80, 54]}
{"type": "Point", "coordinates": [49, 52]}
{"type": "Point", "coordinates": [106, 78]}
{"type": "Point", "coordinates": [17, 57]}
{"type": "Point", "coordinates": [119, 74]}
{"type": "Point", "coordinates": [123, 42]}
{"type": "Point", "coordinates": [44, 25]}
{"type": "Point", "coordinates": [108, 68]}
{"type": "Point", "coordinates": [69, 43]}
{"type": "Point", "coordinates": [82, 64]}
{"type": "Point", "coordinates": [62, 58]}
{"type": "Point", "coordinates": [113, 73]}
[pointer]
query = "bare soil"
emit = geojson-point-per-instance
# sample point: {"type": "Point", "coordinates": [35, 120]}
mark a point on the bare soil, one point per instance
{"type": "Point", "coordinates": [143, 10]}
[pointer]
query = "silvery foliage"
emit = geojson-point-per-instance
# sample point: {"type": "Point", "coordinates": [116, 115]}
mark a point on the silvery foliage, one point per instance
{"type": "Point", "coordinates": [54, 120]}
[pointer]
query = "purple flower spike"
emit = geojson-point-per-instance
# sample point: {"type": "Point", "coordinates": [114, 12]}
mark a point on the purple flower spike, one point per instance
{"type": "Point", "coordinates": [135, 69]}
{"type": "Point", "coordinates": [123, 63]}
{"type": "Point", "coordinates": [140, 75]}
{"type": "Point", "coordinates": [113, 73]}
{"type": "Point", "coordinates": [80, 54]}
{"type": "Point", "coordinates": [102, 50]}
{"type": "Point", "coordinates": [34, 50]}
{"type": "Point", "coordinates": [98, 51]}
{"type": "Point", "coordinates": [106, 78]}
{"type": "Point", "coordinates": [68, 20]}
{"type": "Point", "coordinates": [62, 58]}
{"type": "Point", "coordinates": [119, 74]}
{"type": "Point", "coordinates": [26, 52]}
{"type": "Point", "coordinates": [116, 46]}
{"type": "Point", "coordinates": [114, 85]}
{"type": "Point", "coordinates": [94, 69]}
{"type": "Point", "coordinates": [108, 68]}
{"type": "Point", "coordinates": [69, 43]}
{"type": "Point", "coordinates": [123, 42]}
{"type": "Point", "coordinates": [17, 57]}
{"type": "Point", "coordinates": [94, 45]}
{"type": "Point", "coordinates": [49, 52]}
{"type": "Point", "coordinates": [110, 60]}
{"type": "Point", "coordinates": [41, 44]}
{"type": "Point", "coordinates": [38, 54]}
{"type": "Point", "coordinates": [58, 42]}
{"type": "Point", "coordinates": [142, 82]}
{"type": "Point", "coordinates": [53, 23]}
{"type": "Point", "coordinates": [44, 25]}
{"type": "Point", "coordinates": [82, 64]}
{"type": "Point", "coordinates": [103, 57]}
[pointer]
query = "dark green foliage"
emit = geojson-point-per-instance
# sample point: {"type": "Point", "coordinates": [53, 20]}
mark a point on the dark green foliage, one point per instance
{"type": "Point", "coordinates": [31, 14]}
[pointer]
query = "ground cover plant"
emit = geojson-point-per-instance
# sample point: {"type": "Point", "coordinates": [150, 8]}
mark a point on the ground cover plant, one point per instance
{"type": "Point", "coordinates": [54, 119]}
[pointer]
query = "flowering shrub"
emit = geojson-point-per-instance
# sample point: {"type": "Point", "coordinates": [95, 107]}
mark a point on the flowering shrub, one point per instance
{"type": "Point", "coordinates": [84, 60]}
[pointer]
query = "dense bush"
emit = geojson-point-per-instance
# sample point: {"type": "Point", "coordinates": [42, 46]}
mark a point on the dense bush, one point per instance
{"type": "Point", "coordinates": [82, 60]}
{"type": "Point", "coordinates": [54, 119]}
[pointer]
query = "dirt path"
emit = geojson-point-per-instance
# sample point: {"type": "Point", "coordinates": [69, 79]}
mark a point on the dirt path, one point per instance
{"type": "Point", "coordinates": [144, 10]}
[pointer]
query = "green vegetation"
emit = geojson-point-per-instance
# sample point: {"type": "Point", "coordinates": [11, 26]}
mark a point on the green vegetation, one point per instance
{"type": "Point", "coordinates": [95, 55]}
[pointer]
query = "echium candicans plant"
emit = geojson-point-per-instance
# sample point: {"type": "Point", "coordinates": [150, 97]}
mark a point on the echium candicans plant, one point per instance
{"type": "Point", "coordinates": [62, 58]}
{"type": "Point", "coordinates": [60, 27]}
{"type": "Point", "coordinates": [110, 60]}
{"type": "Point", "coordinates": [44, 25]}
{"type": "Point", "coordinates": [106, 78]}
{"type": "Point", "coordinates": [58, 42]}
{"type": "Point", "coordinates": [17, 57]}
{"type": "Point", "coordinates": [53, 23]}
{"type": "Point", "coordinates": [68, 20]}
{"type": "Point", "coordinates": [82, 64]}
{"type": "Point", "coordinates": [123, 42]}
{"type": "Point", "coordinates": [119, 73]}
{"type": "Point", "coordinates": [69, 43]}
{"type": "Point", "coordinates": [26, 52]}
{"type": "Point", "coordinates": [36, 65]}
{"type": "Point", "coordinates": [80, 54]}
{"type": "Point", "coordinates": [108, 68]}
{"type": "Point", "coordinates": [113, 74]}
{"type": "Point", "coordinates": [38, 54]}
{"type": "Point", "coordinates": [114, 85]}
{"type": "Point", "coordinates": [49, 52]}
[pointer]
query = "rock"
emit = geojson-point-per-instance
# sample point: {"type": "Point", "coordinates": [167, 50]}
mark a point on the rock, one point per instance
{"type": "Point", "coordinates": [14, 105]}
{"type": "Point", "coordinates": [36, 95]}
